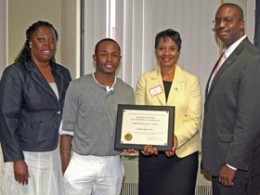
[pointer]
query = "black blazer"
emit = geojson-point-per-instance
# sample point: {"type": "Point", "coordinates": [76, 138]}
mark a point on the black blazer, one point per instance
{"type": "Point", "coordinates": [231, 126]}
{"type": "Point", "coordinates": [30, 112]}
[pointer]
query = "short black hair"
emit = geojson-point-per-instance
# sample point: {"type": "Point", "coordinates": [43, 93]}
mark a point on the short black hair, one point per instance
{"type": "Point", "coordinates": [172, 34]}
{"type": "Point", "coordinates": [235, 6]}
{"type": "Point", "coordinates": [103, 40]}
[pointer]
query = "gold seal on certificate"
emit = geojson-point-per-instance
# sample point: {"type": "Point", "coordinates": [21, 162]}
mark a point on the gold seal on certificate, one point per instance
{"type": "Point", "coordinates": [128, 137]}
{"type": "Point", "coordinates": [140, 125]}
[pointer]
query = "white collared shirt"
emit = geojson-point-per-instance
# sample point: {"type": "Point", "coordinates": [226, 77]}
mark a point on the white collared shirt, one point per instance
{"type": "Point", "coordinates": [228, 51]}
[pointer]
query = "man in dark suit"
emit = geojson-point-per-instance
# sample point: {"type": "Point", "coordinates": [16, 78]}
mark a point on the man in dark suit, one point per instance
{"type": "Point", "coordinates": [231, 126]}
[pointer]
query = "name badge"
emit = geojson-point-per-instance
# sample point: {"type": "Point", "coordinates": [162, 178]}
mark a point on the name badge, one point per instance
{"type": "Point", "coordinates": [156, 90]}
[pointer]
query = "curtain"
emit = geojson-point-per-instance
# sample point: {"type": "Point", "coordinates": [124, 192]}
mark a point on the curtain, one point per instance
{"type": "Point", "coordinates": [138, 21]}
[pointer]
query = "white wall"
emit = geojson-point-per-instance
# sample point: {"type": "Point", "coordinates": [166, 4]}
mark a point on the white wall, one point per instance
{"type": "Point", "coordinates": [22, 14]}
{"type": "Point", "coordinates": [3, 35]}
{"type": "Point", "coordinates": [63, 14]}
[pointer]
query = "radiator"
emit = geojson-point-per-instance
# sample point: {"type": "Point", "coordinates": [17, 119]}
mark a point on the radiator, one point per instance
{"type": "Point", "coordinates": [132, 189]}
{"type": "Point", "coordinates": [203, 190]}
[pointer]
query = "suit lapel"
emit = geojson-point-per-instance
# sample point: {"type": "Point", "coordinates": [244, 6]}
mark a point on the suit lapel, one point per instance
{"type": "Point", "coordinates": [39, 79]}
{"type": "Point", "coordinates": [155, 86]}
{"type": "Point", "coordinates": [234, 55]}
{"type": "Point", "coordinates": [176, 87]}
{"type": "Point", "coordinates": [225, 65]}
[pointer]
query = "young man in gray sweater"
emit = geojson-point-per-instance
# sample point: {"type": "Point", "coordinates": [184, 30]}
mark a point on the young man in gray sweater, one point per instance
{"type": "Point", "coordinates": [89, 162]}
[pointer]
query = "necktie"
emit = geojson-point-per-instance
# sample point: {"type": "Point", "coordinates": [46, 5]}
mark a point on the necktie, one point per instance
{"type": "Point", "coordinates": [220, 63]}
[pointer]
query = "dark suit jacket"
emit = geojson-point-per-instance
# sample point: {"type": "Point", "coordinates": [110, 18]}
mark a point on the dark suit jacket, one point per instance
{"type": "Point", "coordinates": [30, 112]}
{"type": "Point", "coordinates": [231, 126]}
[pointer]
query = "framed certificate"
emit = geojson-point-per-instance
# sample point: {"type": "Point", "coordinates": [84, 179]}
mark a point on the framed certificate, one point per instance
{"type": "Point", "coordinates": [140, 125]}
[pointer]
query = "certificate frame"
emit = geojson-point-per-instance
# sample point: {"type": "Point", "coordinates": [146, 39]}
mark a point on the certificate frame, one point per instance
{"type": "Point", "coordinates": [122, 138]}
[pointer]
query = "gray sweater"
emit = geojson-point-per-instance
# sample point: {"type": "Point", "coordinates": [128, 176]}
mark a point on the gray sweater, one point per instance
{"type": "Point", "coordinates": [90, 111]}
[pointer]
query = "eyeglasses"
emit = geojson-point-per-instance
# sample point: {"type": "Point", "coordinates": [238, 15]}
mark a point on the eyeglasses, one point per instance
{"type": "Point", "coordinates": [226, 20]}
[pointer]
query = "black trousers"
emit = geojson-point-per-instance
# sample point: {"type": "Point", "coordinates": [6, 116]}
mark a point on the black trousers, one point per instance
{"type": "Point", "coordinates": [243, 185]}
{"type": "Point", "coordinates": [161, 175]}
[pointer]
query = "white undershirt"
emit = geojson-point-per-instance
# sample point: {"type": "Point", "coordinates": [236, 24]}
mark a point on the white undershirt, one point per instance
{"type": "Point", "coordinates": [55, 89]}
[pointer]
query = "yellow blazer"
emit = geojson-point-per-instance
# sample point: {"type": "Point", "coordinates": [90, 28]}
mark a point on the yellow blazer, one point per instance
{"type": "Point", "coordinates": [185, 95]}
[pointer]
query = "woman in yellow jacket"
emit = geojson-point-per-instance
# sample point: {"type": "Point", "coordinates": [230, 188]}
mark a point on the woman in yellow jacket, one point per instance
{"type": "Point", "coordinates": [172, 172]}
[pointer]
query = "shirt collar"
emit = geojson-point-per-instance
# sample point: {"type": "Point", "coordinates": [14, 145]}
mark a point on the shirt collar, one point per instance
{"type": "Point", "coordinates": [232, 47]}
{"type": "Point", "coordinates": [108, 89]}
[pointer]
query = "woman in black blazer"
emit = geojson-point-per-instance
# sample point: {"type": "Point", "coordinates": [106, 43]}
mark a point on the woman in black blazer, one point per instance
{"type": "Point", "coordinates": [32, 92]}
